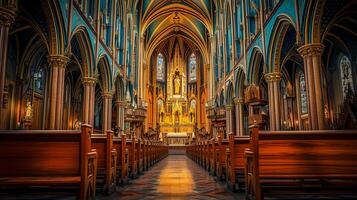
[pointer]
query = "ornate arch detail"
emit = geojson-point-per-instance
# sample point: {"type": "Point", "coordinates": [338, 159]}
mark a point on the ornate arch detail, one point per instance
{"type": "Point", "coordinates": [313, 20]}
{"type": "Point", "coordinates": [103, 68]}
{"type": "Point", "coordinates": [56, 27]}
{"type": "Point", "coordinates": [239, 83]}
{"type": "Point", "coordinates": [86, 51]}
{"type": "Point", "coordinates": [280, 29]}
{"type": "Point", "coordinates": [229, 93]}
{"type": "Point", "coordinates": [255, 58]}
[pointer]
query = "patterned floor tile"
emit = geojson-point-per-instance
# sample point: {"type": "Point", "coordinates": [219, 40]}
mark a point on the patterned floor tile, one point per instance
{"type": "Point", "coordinates": [174, 178]}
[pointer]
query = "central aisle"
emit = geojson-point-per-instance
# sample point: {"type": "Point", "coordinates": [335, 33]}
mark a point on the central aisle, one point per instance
{"type": "Point", "coordinates": [175, 177]}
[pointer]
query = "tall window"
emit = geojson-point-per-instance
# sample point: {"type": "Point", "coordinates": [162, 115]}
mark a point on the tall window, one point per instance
{"type": "Point", "coordinates": [303, 94]}
{"type": "Point", "coordinates": [160, 68]}
{"type": "Point", "coordinates": [39, 78]}
{"type": "Point", "coordinates": [193, 67]}
{"type": "Point", "coordinates": [346, 76]}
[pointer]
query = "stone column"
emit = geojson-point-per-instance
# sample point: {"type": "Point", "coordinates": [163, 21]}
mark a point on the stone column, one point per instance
{"type": "Point", "coordinates": [273, 80]}
{"type": "Point", "coordinates": [312, 67]}
{"type": "Point", "coordinates": [88, 101]}
{"type": "Point", "coordinates": [107, 111]}
{"type": "Point", "coordinates": [7, 17]}
{"type": "Point", "coordinates": [239, 116]}
{"type": "Point", "coordinates": [120, 114]}
{"type": "Point", "coordinates": [229, 123]}
{"type": "Point", "coordinates": [57, 65]}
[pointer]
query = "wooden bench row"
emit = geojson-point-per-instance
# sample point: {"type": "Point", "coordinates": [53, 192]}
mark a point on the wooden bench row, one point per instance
{"type": "Point", "coordinates": [77, 162]}
{"type": "Point", "coordinates": [322, 163]}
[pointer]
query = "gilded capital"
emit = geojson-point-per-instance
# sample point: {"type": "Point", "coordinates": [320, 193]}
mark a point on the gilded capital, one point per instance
{"type": "Point", "coordinates": [58, 61]}
{"type": "Point", "coordinates": [315, 49]}
{"type": "Point", "coordinates": [89, 81]}
{"type": "Point", "coordinates": [238, 101]}
{"type": "Point", "coordinates": [107, 95]}
{"type": "Point", "coordinates": [229, 107]}
{"type": "Point", "coordinates": [273, 77]}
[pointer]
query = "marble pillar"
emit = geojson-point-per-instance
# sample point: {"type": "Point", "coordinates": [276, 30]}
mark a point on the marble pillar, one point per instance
{"type": "Point", "coordinates": [312, 67]}
{"type": "Point", "coordinates": [57, 68]}
{"type": "Point", "coordinates": [229, 117]}
{"type": "Point", "coordinates": [239, 116]}
{"type": "Point", "coordinates": [107, 111]}
{"type": "Point", "coordinates": [120, 114]}
{"type": "Point", "coordinates": [273, 80]}
{"type": "Point", "coordinates": [88, 99]}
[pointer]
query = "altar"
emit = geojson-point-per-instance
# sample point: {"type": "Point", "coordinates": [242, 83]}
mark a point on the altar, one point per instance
{"type": "Point", "coordinates": [177, 111]}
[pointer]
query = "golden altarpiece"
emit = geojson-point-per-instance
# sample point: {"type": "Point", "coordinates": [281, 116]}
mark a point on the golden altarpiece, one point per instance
{"type": "Point", "coordinates": [177, 113]}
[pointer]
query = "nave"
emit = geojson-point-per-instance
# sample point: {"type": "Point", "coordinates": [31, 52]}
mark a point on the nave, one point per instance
{"type": "Point", "coordinates": [175, 177]}
{"type": "Point", "coordinates": [95, 94]}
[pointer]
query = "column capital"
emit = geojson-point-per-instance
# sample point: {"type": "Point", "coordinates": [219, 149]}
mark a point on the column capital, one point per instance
{"type": "Point", "coordinates": [58, 61]}
{"type": "Point", "coordinates": [229, 107]}
{"type": "Point", "coordinates": [315, 49]}
{"type": "Point", "coordinates": [89, 81]}
{"type": "Point", "coordinates": [238, 101]}
{"type": "Point", "coordinates": [120, 103]}
{"type": "Point", "coordinates": [272, 77]}
{"type": "Point", "coordinates": [107, 95]}
{"type": "Point", "coordinates": [7, 16]}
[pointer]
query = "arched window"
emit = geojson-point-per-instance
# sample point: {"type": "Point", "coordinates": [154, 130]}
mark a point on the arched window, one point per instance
{"type": "Point", "coordinates": [346, 76]}
{"type": "Point", "coordinates": [39, 79]}
{"type": "Point", "coordinates": [160, 68]}
{"type": "Point", "coordinates": [303, 94]}
{"type": "Point", "coordinates": [193, 67]}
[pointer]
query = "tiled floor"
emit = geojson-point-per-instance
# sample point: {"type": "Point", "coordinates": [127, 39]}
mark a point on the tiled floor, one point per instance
{"type": "Point", "coordinates": [176, 177]}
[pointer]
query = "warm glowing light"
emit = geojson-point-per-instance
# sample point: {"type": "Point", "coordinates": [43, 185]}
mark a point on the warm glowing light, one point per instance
{"type": "Point", "coordinates": [176, 181]}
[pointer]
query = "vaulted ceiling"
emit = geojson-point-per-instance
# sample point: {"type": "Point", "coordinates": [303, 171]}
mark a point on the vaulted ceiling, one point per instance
{"type": "Point", "coordinates": [162, 20]}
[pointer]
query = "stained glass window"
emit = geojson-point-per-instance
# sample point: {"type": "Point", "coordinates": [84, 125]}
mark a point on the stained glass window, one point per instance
{"type": "Point", "coordinates": [346, 76]}
{"type": "Point", "coordinates": [160, 68]}
{"type": "Point", "coordinates": [39, 80]}
{"type": "Point", "coordinates": [303, 94]}
{"type": "Point", "coordinates": [193, 67]}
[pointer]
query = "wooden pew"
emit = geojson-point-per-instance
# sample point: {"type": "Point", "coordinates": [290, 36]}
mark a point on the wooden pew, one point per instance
{"type": "Point", "coordinates": [300, 163]}
{"type": "Point", "coordinates": [107, 161]}
{"type": "Point", "coordinates": [145, 155]}
{"type": "Point", "coordinates": [221, 162]}
{"type": "Point", "coordinates": [235, 161]}
{"type": "Point", "coordinates": [132, 170]}
{"type": "Point", "coordinates": [213, 157]}
{"type": "Point", "coordinates": [122, 160]}
{"type": "Point", "coordinates": [58, 160]}
{"type": "Point", "coordinates": [207, 155]}
{"type": "Point", "coordinates": [140, 155]}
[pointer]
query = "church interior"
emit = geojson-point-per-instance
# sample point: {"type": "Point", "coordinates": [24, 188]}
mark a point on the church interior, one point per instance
{"type": "Point", "coordinates": [178, 99]}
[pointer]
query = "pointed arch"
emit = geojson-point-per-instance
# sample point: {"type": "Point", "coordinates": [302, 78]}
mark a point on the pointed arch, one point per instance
{"type": "Point", "coordinates": [82, 49]}
{"type": "Point", "coordinates": [281, 27]}
{"type": "Point", "coordinates": [229, 93]}
{"type": "Point", "coordinates": [103, 70]}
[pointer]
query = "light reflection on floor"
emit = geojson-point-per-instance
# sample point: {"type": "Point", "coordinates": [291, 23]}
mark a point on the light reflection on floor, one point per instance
{"type": "Point", "coordinates": [176, 177]}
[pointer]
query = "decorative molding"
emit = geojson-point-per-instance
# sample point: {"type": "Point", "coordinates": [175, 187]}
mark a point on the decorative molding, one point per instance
{"type": "Point", "coordinates": [90, 81]}
{"type": "Point", "coordinates": [58, 61]}
{"type": "Point", "coordinates": [308, 50]}
{"type": "Point", "coordinates": [229, 107]}
{"type": "Point", "coordinates": [238, 101]}
{"type": "Point", "coordinates": [273, 77]}
{"type": "Point", "coordinates": [107, 95]}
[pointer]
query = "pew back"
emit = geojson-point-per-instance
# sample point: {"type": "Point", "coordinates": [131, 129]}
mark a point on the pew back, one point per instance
{"type": "Point", "coordinates": [40, 153]}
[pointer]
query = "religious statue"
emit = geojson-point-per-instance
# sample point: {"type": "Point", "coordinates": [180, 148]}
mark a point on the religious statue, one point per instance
{"type": "Point", "coordinates": [177, 85]}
